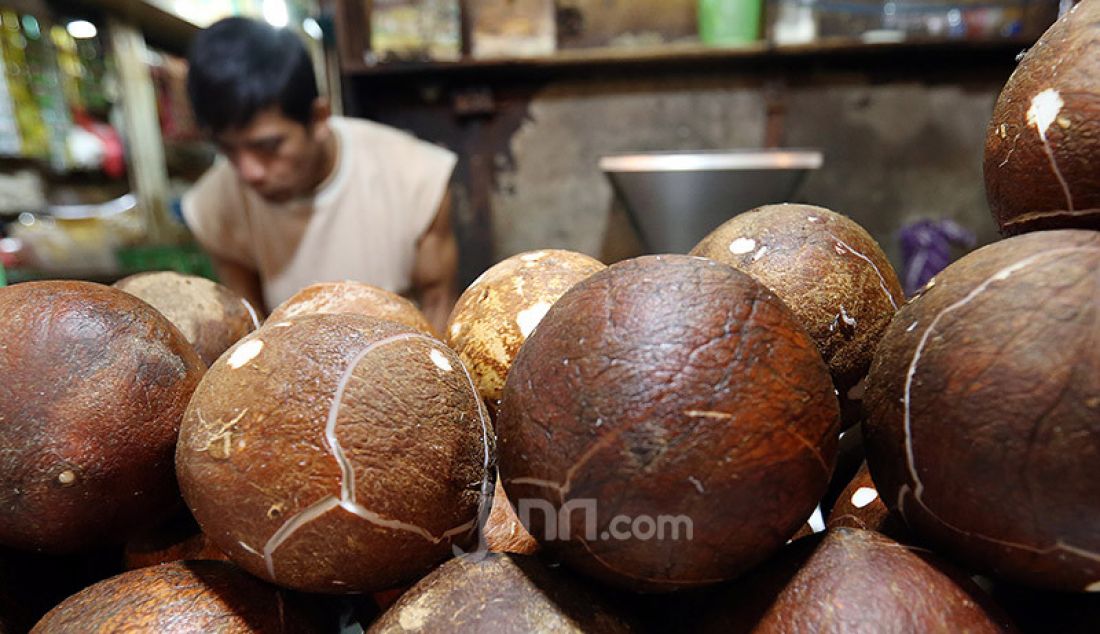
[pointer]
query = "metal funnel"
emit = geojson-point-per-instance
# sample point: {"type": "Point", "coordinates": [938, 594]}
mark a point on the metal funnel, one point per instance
{"type": "Point", "coordinates": [675, 199]}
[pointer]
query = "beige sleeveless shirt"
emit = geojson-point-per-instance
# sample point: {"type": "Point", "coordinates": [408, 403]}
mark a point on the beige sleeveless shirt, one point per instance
{"type": "Point", "coordinates": [362, 224]}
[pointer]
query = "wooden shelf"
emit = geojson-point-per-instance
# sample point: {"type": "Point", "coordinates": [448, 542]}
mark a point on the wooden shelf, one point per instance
{"type": "Point", "coordinates": [72, 175]}
{"type": "Point", "coordinates": [684, 54]}
{"type": "Point", "coordinates": [161, 26]}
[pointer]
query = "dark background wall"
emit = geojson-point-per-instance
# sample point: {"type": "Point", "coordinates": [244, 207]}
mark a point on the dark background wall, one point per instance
{"type": "Point", "coordinates": [902, 133]}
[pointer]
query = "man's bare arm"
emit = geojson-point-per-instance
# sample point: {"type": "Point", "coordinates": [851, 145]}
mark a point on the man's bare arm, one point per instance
{"type": "Point", "coordinates": [241, 279]}
{"type": "Point", "coordinates": [436, 268]}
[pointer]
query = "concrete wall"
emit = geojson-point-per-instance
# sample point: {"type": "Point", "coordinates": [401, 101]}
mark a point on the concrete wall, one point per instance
{"type": "Point", "coordinates": [894, 152]}
{"type": "Point", "coordinates": [901, 141]}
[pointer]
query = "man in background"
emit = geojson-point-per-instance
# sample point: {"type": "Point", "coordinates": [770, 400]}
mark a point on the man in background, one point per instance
{"type": "Point", "coordinates": [299, 196]}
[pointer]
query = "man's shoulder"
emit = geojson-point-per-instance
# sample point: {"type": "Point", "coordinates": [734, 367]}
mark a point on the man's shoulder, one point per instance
{"type": "Point", "coordinates": [215, 185]}
{"type": "Point", "coordinates": [361, 129]}
{"type": "Point", "coordinates": [212, 210]}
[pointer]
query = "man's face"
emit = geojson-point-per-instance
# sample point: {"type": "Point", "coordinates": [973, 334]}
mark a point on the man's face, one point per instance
{"type": "Point", "coordinates": [274, 155]}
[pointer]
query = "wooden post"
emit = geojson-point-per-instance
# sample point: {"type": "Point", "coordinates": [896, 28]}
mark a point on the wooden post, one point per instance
{"type": "Point", "coordinates": [352, 19]}
{"type": "Point", "coordinates": [147, 167]}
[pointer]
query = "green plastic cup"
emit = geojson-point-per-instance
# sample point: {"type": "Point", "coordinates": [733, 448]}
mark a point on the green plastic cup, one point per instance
{"type": "Point", "coordinates": [729, 22]}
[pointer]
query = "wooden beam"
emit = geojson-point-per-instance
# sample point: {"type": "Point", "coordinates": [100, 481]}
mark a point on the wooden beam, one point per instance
{"type": "Point", "coordinates": [352, 32]}
{"type": "Point", "coordinates": [161, 26]}
{"type": "Point", "coordinates": [694, 54]}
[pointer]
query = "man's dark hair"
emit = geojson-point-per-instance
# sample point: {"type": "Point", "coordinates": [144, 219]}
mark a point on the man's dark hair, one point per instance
{"type": "Point", "coordinates": [240, 67]}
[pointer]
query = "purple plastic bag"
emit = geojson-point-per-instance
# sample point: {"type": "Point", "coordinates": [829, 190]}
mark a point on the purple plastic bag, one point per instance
{"type": "Point", "coordinates": [927, 247]}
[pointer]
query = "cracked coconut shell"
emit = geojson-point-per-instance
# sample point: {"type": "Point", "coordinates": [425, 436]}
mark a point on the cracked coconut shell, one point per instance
{"type": "Point", "coordinates": [668, 387]}
{"type": "Point", "coordinates": [983, 425]}
{"type": "Point", "coordinates": [503, 531]}
{"type": "Point", "coordinates": [860, 506]}
{"type": "Point", "coordinates": [336, 453]}
{"type": "Point", "coordinates": [496, 314]}
{"type": "Point", "coordinates": [827, 269]}
{"type": "Point", "coordinates": [353, 298]}
{"type": "Point", "coordinates": [95, 383]}
{"type": "Point", "coordinates": [211, 316]}
{"type": "Point", "coordinates": [1043, 144]}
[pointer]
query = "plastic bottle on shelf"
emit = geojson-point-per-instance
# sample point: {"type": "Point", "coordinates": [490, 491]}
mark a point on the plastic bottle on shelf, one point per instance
{"type": "Point", "coordinates": [729, 22]}
{"type": "Point", "coordinates": [795, 22]}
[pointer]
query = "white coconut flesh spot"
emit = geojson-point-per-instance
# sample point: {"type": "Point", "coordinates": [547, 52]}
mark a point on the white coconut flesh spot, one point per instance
{"type": "Point", "coordinates": [528, 318]}
{"type": "Point", "coordinates": [864, 496]}
{"type": "Point", "coordinates": [456, 328]}
{"type": "Point", "coordinates": [813, 218]}
{"type": "Point", "coordinates": [1093, 587]}
{"type": "Point", "coordinates": [415, 616]}
{"type": "Point", "coordinates": [533, 256]}
{"type": "Point", "coordinates": [741, 246]}
{"type": "Point", "coordinates": [759, 253]}
{"type": "Point", "coordinates": [440, 360]}
{"type": "Point", "coordinates": [817, 521]}
{"type": "Point", "coordinates": [247, 351]}
{"type": "Point", "coordinates": [1044, 110]}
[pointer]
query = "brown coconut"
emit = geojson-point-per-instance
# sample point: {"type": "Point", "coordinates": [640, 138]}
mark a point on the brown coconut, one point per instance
{"type": "Point", "coordinates": [856, 581]}
{"type": "Point", "coordinates": [860, 506]}
{"type": "Point", "coordinates": [667, 387]}
{"type": "Point", "coordinates": [1043, 143]}
{"type": "Point", "coordinates": [503, 530]}
{"type": "Point", "coordinates": [336, 453]}
{"type": "Point", "coordinates": [501, 594]}
{"type": "Point", "coordinates": [211, 316]}
{"type": "Point", "coordinates": [179, 539]}
{"type": "Point", "coordinates": [850, 456]}
{"type": "Point", "coordinates": [95, 383]}
{"type": "Point", "coordinates": [827, 269]}
{"type": "Point", "coordinates": [354, 298]}
{"type": "Point", "coordinates": [807, 530]}
{"type": "Point", "coordinates": [496, 314]}
{"type": "Point", "coordinates": [984, 410]}
{"type": "Point", "coordinates": [183, 597]}
{"type": "Point", "coordinates": [737, 607]}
